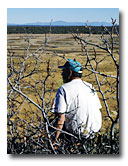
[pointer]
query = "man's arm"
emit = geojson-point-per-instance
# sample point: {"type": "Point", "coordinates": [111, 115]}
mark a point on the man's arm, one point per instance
{"type": "Point", "coordinates": [60, 123]}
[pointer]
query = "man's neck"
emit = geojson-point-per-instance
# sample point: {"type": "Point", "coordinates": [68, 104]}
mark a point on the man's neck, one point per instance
{"type": "Point", "coordinates": [73, 78]}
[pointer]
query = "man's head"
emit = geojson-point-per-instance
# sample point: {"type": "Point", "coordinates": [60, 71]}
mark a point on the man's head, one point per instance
{"type": "Point", "coordinates": [71, 70]}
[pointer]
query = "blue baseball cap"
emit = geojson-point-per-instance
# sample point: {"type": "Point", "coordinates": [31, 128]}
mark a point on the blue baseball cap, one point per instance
{"type": "Point", "coordinates": [72, 65]}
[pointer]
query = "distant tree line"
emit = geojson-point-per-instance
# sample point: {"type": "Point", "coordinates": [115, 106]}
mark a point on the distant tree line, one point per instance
{"type": "Point", "coordinates": [56, 29]}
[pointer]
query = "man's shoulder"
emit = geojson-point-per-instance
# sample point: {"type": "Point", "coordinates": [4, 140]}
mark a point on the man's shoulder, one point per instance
{"type": "Point", "coordinates": [88, 84]}
{"type": "Point", "coordinates": [66, 85]}
{"type": "Point", "coordinates": [64, 88]}
{"type": "Point", "coordinates": [74, 82]}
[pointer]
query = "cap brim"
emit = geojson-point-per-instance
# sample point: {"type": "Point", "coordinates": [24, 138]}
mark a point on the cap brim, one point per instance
{"type": "Point", "coordinates": [61, 67]}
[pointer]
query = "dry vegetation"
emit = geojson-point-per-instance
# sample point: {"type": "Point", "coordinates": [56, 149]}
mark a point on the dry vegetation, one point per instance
{"type": "Point", "coordinates": [41, 85]}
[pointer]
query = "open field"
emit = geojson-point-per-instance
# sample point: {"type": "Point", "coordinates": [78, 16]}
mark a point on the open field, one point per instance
{"type": "Point", "coordinates": [60, 44]}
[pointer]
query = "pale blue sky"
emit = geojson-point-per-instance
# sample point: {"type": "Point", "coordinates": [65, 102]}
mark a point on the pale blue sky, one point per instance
{"type": "Point", "coordinates": [30, 15]}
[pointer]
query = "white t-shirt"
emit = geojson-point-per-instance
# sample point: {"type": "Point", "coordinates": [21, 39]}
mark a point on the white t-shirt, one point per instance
{"type": "Point", "coordinates": [80, 103]}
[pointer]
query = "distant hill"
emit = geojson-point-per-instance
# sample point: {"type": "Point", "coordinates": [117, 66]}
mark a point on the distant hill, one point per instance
{"type": "Point", "coordinates": [62, 23]}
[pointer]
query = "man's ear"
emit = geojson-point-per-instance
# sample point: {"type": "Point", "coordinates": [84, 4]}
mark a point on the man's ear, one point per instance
{"type": "Point", "coordinates": [70, 74]}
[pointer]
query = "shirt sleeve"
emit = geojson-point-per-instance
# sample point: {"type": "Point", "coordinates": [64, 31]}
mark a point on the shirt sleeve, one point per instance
{"type": "Point", "coordinates": [59, 105]}
{"type": "Point", "coordinates": [96, 98]}
{"type": "Point", "coordinates": [97, 101]}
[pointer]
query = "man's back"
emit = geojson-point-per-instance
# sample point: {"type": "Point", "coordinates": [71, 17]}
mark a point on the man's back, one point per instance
{"type": "Point", "coordinates": [80, 104]}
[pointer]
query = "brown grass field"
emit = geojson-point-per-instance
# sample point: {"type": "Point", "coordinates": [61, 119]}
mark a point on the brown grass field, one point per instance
{"type": "Point", "coordinates": [61, 44]}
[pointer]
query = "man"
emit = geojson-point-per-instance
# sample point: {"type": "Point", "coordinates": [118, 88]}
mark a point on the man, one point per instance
{"type": "Point", "coordinates": [76, 103]}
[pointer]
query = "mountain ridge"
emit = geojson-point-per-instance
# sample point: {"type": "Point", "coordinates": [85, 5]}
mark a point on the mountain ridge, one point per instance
{"type": "Point", "coordinates": [62, 23]}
